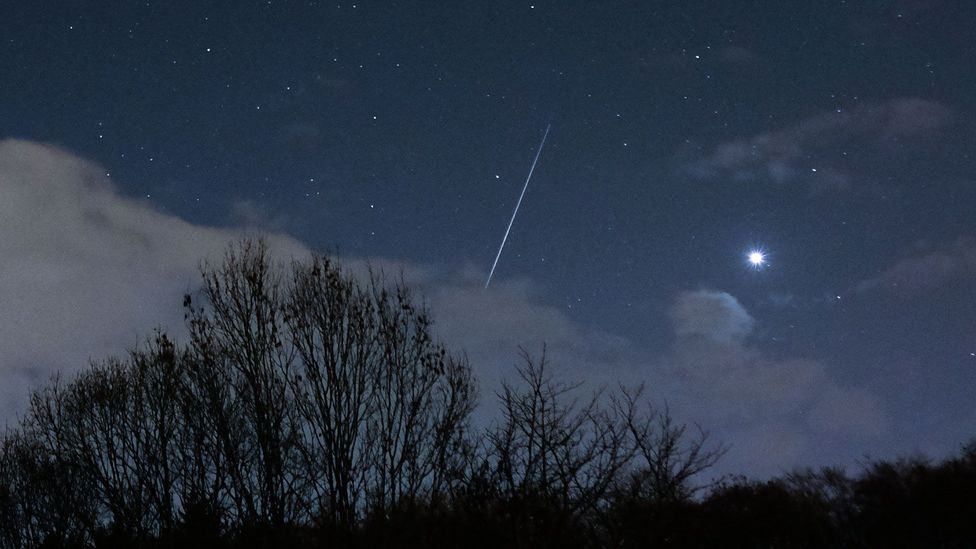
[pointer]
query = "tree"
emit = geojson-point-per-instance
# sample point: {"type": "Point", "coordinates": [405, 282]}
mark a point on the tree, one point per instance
{"type": "Point", "coordinates": [668, 462]}
{"type": "Point", "coordinates": [50, 498]}
{"type": "Point", "coordinates": [40, 504]}
{"type": "Point", "coordinates": [326, 394]}
{"type": "Point", "coordinates": [303, 395]}
{"type": "Point", "coordinates": [239, 335]}
{"type": "Point", "coordinates": [381, 405]}
{"type": "Point", "coordinates": [551, 458]}
{"type": "Point", "coordinates": [653, 503]}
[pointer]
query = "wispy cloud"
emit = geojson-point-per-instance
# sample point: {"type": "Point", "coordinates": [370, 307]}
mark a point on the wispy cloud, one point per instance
{"type": "Point", "coordinates": [928, 268]}
{"type": "Point", "coordinates": [818, 152]}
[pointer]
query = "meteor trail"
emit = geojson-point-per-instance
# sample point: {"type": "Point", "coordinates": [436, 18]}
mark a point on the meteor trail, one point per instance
{"type": "Point", "coordinates": [517, 204]}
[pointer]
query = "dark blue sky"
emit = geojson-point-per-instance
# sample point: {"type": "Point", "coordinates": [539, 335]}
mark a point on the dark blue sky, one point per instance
{"type": "Point", "coordinates": [838, 136]}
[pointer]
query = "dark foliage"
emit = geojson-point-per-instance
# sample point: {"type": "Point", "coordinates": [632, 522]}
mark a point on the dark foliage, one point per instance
{"type": "Point", "coordinates": [311, 408]}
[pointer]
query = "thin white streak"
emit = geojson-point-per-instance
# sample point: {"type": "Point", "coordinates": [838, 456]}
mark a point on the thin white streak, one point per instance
{"type": "Point", "coordinates": [517, 204]}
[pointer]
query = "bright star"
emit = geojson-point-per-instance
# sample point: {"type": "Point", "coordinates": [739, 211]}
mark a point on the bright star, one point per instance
{"type": "Point", "coordinates": [757, 259]}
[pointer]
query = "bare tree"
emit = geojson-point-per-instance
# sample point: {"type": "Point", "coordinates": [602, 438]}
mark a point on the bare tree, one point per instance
{"type": "Point", "coordinates": [156, 420]}
{"type": "Point", "coordinates": [550, 445]}
{"type": "Point", "coordinates": [669, 461]}
{"type": "Point", "coordinates": [382, 405]}
{"type": "Point", "coordinates": [41, 500]}
{"type": "Point", "coordinates": [423, 398]}
{"type": "Point", "coordinates": [98, 438]}
{"type": "Point", "coordinates": [239, 334]}
{"type": "Point", "coordinates": [325, 393]}
{"type": "Point", "coordinates": [310, 395]}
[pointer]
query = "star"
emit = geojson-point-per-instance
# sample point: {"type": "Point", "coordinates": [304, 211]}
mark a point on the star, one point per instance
{"type": "Point", "coordinates": [757, 259]}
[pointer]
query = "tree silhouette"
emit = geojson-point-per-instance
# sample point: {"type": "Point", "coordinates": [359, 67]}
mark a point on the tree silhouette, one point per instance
{"type": "Point", "coordinates": [303, 396]}
{"type": "Point", "coordinates": [550, 445]}
{"type": "Point", "coordinates": [382, 407]}
{"type": "Point", "coordinates": [311, 406]}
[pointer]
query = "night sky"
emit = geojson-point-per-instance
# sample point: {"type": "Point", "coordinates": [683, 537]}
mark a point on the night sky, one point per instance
{"type": "Point", "coordinates": [836, 137]}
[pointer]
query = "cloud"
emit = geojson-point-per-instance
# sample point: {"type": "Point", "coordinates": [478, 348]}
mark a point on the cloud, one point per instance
{"type": "Point", "coordinates": [926, 270]}
{"type": "Point", "coordinates": [813, 151]}
{"type": "Point", "coordinates": [849, 410]}
{"type": "Point", "coordinates": [714, 315]}
{"type": "Point", "coordinates": [246, 213]}
{"type": "Point", "coordinates": [745, 395]}
{"type": "Point", "coordinates": [85, 272]}
{"type": "Point", "coordinates": [490, 326]}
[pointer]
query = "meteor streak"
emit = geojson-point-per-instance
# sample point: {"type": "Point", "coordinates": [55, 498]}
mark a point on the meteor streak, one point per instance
{"type": "Point", "coordinates": [517, 204]}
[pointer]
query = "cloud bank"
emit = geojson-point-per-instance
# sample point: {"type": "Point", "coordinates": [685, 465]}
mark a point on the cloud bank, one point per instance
{"type": "Point", "coordinates": [85, 272]}
{"type": "Point", "coordinates": [773, 410]}
{"type": "Point", "coordinates": [88, 273]}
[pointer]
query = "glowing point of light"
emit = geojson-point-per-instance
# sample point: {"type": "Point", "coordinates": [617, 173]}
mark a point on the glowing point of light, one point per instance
{"type": "Point", "coordinates": [757, 258]}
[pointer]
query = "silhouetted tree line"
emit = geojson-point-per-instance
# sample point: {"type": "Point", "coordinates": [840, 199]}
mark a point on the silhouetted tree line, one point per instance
{"type": "Point", "coordinates": [310, 408]}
